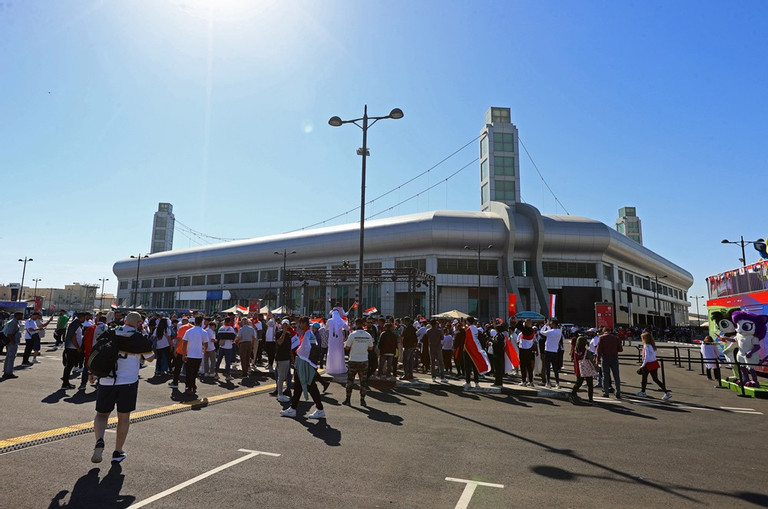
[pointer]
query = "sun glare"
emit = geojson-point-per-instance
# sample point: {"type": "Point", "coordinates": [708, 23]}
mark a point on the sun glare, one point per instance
{"type": "Point", "coordinates": [226, 11]}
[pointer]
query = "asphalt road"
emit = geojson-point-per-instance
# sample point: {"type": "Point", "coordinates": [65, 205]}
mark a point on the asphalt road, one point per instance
{"type": "Point", "coordinates": [524, 449]}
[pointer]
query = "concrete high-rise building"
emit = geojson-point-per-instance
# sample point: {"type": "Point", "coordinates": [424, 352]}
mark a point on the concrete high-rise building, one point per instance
{"type": "Point", "coordinates": [162, 228]}
{"type": "Point", "coordinates": [629, 224]}
{"type": "Point", "coordinates": [499, 160]}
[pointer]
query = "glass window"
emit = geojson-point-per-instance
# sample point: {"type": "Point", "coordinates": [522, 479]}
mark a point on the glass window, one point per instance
{"type": "Point", "coordinates": [466, 266]}
{"type": "Point", "coordinates": [184, 280]}
{"type": "Point", "coordinates": [608, 272]}
{"type": "Point", "coordinates": [161, 221]}
{"type": "Point", "coordinates": [485, 195]}
{"type": "Point", "coordinates": [566, 269]}
{"type": "Point", "coordinates": [213, 279]}
{"type": "Point", "coordinates": [503, 142]}
{"type": "Point", "coordinates": [420, 264]}
{"type": "Point", "coordinates": [484, 169]}
{"type": "Point", "coordinates": [232, 278]}
{"type": "Point", "coordinates": [170, 281]}
{"type": "Point", "coordinates": [500, 115]}
{"type": "Point", "coordinates": [504, 165]}
{"type": "Point", "coordinates": [484, 146]}
{"type": "Point", "coordinates": [521, 268]}
{"type": "Point", "coordinates": [268, 275]}
{"type": "Point", "coordinates": [123, 285]}
{"type": "Point", "coordinates": [250, 277]}
{"type": "Point", "coordinates": [158, 283]}
{"type": "Point", "coordinates": [505, 190]}
{"type": "Point", "coordinates": [198, 280]}
{"type": "Point", "coordinates": [146, 283]}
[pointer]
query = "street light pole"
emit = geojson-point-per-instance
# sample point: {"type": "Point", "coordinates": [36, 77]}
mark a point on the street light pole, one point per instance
{"type": "Point", "coordinates": [396, 113]}
{"type": "Point", "coordinates": [284, 290]}
{"type": "Point", "coordinates": [136, 286]}
{"type": "Point", "coordinates": [23, 273]}
{"type": "Point", "coordinates": [741, 242]}
{"type": "Point", "coordinates": [697, 297]}
{"type": "Point", "coordinates": [101, 300]}
{"type": "Point", "coordinates": [479, 250]}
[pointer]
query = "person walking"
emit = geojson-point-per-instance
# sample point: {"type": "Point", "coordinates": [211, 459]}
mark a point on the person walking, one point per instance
{"type": "Point", "coordinates": [195, 344]}
{"type": "Point", "coordinates": [608, 349]}
{"type": "Point", "coordinates": [358, 344]}
{"type": "Point", "coordinates": [245, 339]}
{"type": "Point", "coordinates": [434, 342]}
{"type": "Point", "coordinates": [73, 347]}
{"type": "Point", "coordinates": [584, 368]}
{"type": "Point", "coordinates": [61, 328]}
{"type": "Point", "coordinates": [225, 336]}
{"type": "Point", "coordinates": [13, 333]}
{"type": "Point", "coordinates": [304, 372]}
{"type": "Point", "coordinates": [554, 336]}
{"type": "Point", "coordinates": [650, 366]}
{"type": "Point", "coordinates": [711, 355]}
{"type": "Point", "coordinates": [410, 347]}
{"type": "Point", "coordinates": [121, 390]}
{"type": "Point", "coordinates": [387, 349]}
{"type": "Point", "coordinates": [526, 339]}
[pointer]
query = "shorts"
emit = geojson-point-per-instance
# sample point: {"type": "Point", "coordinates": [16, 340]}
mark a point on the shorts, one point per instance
{"type": "Point", "coordinates": [122, 395]}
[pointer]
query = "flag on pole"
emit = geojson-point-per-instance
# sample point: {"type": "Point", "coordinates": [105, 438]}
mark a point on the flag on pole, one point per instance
{"type": "Point", "coordinates": [476, 353]}
{"type": "Point", "coordinates": [242, 309]}
{"type": "Point", "coordinates": [370, 311]}
{"type": "Point", "coordinates": [113, 305]}
{"type": "Point", "coordinates": [511, 360]}
{"type": "Point", "coordinates": [552, 299]}
{"type": "Point", "coordinates": [354, 306]}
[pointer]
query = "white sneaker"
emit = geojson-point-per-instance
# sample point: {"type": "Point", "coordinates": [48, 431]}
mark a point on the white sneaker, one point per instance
{"type": "Point", "coordinates": [317, 414]}
{"type": "Point", "coordinates": [640, 394]}
{"type": "Point", "coordinates": [667, 396]}
{"type": "Point", "coordinates": [283, 398]}
{"type": "Point", "coordinates": [35, 361]}
{"type": "Point", "coordinates": [557, 386]}
{"type": "Point", "coordinates": [523, 384]}
{"type": "Point", "coordinates": [467, 386]}
{"type": "Point", "coordinates": [288, 412]}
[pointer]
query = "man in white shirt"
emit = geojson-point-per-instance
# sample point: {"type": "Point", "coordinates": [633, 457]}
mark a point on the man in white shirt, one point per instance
{"type": "Point", "coordinates": [245, 339]}
{"type": "Point", "coordinates": [269, 341]}
{"type": "Point", "coordinates": [553, 335]}
{"type": "Point", "coordinates": [358, 344]}
{"type": "Point", "coordinates": [121, 389]}
{"type": "Point", "coordinates": [195, 345]}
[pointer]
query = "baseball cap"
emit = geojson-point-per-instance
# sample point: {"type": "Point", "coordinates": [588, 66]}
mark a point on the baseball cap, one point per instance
{"type": "Point", "coordinates": [285, 322]}
{"type": "Point", "coordinates": [316, 325]}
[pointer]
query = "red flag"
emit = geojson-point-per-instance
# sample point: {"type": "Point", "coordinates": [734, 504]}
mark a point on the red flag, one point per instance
{"type": "Point", "coordinates": [354, 306]}
{"type": "Point", "coordinates": [370, 311]}
{"type": "Point", "coordinates": [511, 360]}
{"type": "Point", "coordinates": [552, 299]}
{"type": "Point", "coordinates": [476, 353]}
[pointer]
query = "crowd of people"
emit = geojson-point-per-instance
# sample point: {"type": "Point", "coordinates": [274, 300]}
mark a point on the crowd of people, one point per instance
{"type": "Point", "coordinates": [294, 351]}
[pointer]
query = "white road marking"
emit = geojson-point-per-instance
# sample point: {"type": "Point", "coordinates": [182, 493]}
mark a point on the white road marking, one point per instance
{"type": "Point", "coordinates": [745, 412]}
{"type": "Point", "coordinates": [736, 408]}
{"type": "Point", "coordinates": [469, 490]}
{"type": "Point", "coordinates": [110, 431]}
{"type": "Point", "coordinates": [202, 476]}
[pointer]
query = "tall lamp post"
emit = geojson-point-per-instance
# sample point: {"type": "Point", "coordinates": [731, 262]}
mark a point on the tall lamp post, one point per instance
{"type": "Point", "coordinates": [396, 113]}
{"type": "Point", "coordinates": [285, 254]}
{"type": "Point", "coordinates": [36, 281]}
{"type": "Point", "coordinates": [101, 300]}
{"type": "Point", "coordinates": [136, 285]}
{"type": "Point", "coordinates": [697, 297]}
{"type": "Point", "coordinates": [658, 311]}
{"type": "Point", "coordinates": [23, 273]}
{"type": "Point", "coordinates": [479, 250]}
{"type": "Point", "coordinates": [741, 242]}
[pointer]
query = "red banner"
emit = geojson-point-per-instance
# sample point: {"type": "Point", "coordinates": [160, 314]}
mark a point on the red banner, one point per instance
{"type": "Point", "coordinates": [254, 306]}
{"type": "Point", "coordinates": [603, 315]}
{"type": "Point", "coordinates": [38, 303]}
{"type": "Point", "coordinates": [511, 304]}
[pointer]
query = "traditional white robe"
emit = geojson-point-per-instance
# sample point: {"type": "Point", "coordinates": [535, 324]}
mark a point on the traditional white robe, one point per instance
{"type": "Point", "coordinates": [336, 327]}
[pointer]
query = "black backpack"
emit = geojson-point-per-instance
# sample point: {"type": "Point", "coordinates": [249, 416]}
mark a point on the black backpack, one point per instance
{"type": "Point", "coordinates": [103, 359]}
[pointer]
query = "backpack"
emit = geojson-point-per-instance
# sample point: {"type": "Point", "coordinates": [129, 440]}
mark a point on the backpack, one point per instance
{"type": "Point", "coordinates": [103, 359]}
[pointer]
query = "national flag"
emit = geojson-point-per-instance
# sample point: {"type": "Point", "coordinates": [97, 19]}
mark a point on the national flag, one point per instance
{"type": "Point", "coordinates": [304, 345]}
{"type": "Point", "coordinates": [552, 300]}
{"type": "Point", "coordinates": [242, 309]}
{"type": "Point", "coordinates": [316, 320]}
{"type": "Point", "coordinates": [476, 353]}
{"type": "Point", "coordinates": [511, 360]}
{"type": "Point", "coordinates": [354, 306]}
{"type": "Point", "coordinates": [113, 305]}
{"type": "Point", "coordinates": [370, 311]}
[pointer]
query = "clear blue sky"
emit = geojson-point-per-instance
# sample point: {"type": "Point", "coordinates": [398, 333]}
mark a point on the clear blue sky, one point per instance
{"type": "Point", "coordinates": [221, 108]}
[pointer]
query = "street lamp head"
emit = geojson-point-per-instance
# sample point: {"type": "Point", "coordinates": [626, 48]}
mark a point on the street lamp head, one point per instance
{"type": "Point", "coordinates": [278, 252]}
{"type": "Point", "coordinates": [336, 121]}
{"type": "Point", "coordinates": [396, 113]}
{"type": "Point", "coordinates": [467, 247]}
{"type": "Point", "coordinates": [725, 241]}
{"type": "Point", "coordinates": [490, 246]}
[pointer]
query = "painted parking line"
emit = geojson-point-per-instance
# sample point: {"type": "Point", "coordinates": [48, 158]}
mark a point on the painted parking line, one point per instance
{"type": "Point", "coordinates": [178, 487]}
{"type": "Point", "coordinates": [33, 439]}
{"type": "Point", "coordinates": [469, 490]}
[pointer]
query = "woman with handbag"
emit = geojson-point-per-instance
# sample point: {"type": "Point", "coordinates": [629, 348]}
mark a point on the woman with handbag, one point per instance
{"type": "Point", "coordinates": [650, 366]}
{"type": "Point", "coordinates": [584, 367]}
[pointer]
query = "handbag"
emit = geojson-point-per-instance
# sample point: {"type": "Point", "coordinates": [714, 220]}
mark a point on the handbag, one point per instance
{"type": "Point", "coordinates": [587, 368]}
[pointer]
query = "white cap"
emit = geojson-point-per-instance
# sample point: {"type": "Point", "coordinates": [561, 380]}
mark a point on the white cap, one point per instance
{"type": "Point", "coordinates": [455, 321]}
{"type": "Point", "coordinates": [493, 333]}
{"type": "Point", "coordinates": [285, 322]}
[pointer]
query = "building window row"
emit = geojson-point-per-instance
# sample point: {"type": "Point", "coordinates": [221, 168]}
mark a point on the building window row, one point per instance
{"type": "Point", "coordinates": [467, 266]}
{"type": "Point", "coordinates": [503, 142]}
{"type": "Point", "coordinates": [569, 269]}
{"type": "Point", "coordinates": [504, 165]}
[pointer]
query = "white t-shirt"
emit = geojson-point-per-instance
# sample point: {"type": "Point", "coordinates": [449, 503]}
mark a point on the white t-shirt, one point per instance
{"type": "Point", "coordinates": [553, 339]}
{"type": "Point", "coordinates": [211, 337]}
{"type": "Point", "coordinates": [447, 342]}
{"type": "Point", "coordinates": [358, 343]}
{"type": "Point", "coordinates": [195, 337]}
{"type": "Point", "coordinates": [128, 364]}
{"type": "Point", "coordinates": [229, 331]}
{"type": "Point", "coordinates": [29, 325]}
{"type": "Point", "coordinates": [593, 344]}
{"type": "Point", "coordinates": [271, 330]}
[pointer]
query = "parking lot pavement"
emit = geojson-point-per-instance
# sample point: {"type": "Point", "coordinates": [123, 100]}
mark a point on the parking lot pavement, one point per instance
{"type": "Point", "coordinates": [413, 447]}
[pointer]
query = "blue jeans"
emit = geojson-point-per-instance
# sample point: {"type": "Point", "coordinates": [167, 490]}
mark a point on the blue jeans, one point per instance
{"type": "Point", "coordinates": [611, 367]}
{"type": "Point", "coordinates": [228, 354]}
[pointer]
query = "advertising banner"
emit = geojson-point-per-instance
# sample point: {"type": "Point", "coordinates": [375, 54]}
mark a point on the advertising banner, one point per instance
{"type": "Point", "coordinates": [603, 315]}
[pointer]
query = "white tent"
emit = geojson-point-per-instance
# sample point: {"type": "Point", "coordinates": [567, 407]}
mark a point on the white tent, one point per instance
{"type": "Point", "coordinates": [454, 313]}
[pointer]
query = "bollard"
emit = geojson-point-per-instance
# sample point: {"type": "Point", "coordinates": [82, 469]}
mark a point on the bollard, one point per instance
{"type": "Point", "coordinates": [689, 358]}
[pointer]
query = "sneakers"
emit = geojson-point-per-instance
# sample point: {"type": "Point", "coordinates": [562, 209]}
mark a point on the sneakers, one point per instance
{"type": "Point", "coordinates": [467, 386]}
{"type": "Point", "coordinates": [666, 396]}
{"type": "Point", "coordinates": [118, 456]}
{"type": "Point", "coordinates": [317, 414]}
{"type": "Point", "coordinates": [523, 384]}
{"type": "Point", "coordinates": [67, 386]}
{"type": "Point", "coordinates": [444, 380]}
{"type": "Point", "coordinates": [283, 399]}
{"type": "Point", "coordinates": [35, 361]}
{"type": "Point", "coordinates": [98, 451]}
{"type": "Point", "coordinates": [288, 412]}
{"type": "Point", "coordinates": [8, 376]}
{"type": "Point", "coordinates": [640, 394]}
{"type": "Point", "coordinates": [173, 385]}
{"type": "Point", "coordinates": [557, 386]}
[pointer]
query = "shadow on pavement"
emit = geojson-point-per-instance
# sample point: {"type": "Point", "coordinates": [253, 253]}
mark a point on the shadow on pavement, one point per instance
{"type": "Point", "coordinates": [322, 430]}
{"type": "Point", "coordinates": [81, 397]}
{"type": "Point", "coordinates": [89, 492]}
{"type": "Point", "coordinates": [380, 416]}
{"type": "Point", "coordinates": [54, 397]}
